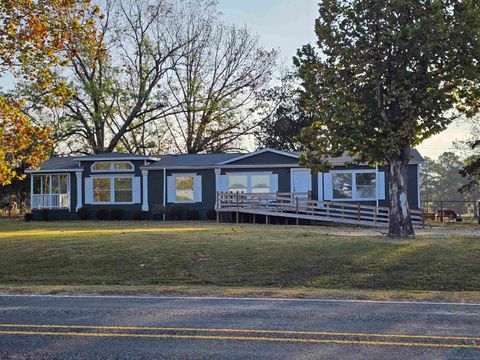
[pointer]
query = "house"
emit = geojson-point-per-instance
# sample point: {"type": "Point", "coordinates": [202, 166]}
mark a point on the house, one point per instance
{"type": "Point", "coordinates": [137, 183]}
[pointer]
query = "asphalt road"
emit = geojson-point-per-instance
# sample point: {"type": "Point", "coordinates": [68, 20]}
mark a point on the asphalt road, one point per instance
{"type": "Point", "coordinates": [57, 327]}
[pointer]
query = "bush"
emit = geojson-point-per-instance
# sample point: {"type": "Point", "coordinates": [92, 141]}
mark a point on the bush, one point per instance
{"type": "Point", "coordinates": [193, 214]}
{"type": "Point", "coordinates": [28, 217]}
{"type": "Point", "coordinates": [118, 214]}
{"type": "Point", "coordinates": [158, 211]}
{"type": "Point", "coordinates": [140, 215]}
{"type": "Point", "coordinates": [176, 212]}
{"type": "Point", "coordinates": [102, 214]}
{"type": "Point", "coordinates": [45, 214]}
{"type": "Point", "coordinates": [211, 214]}
{"type": "Point", "coordinates": [83, 213]}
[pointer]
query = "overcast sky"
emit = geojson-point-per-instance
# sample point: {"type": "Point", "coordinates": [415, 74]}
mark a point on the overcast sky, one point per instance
{"type": "Point", "coordinates": [286, 25]}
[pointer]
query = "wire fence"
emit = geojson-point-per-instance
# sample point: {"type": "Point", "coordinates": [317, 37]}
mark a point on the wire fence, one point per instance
{"type": "Point", "coordinates": [452, 210]}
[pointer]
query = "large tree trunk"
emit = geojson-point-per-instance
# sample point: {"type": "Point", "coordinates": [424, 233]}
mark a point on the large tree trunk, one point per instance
{"type": "Point", "coordinates": [400, 220]}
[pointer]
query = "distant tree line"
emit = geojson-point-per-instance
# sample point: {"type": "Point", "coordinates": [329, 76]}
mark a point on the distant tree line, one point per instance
{"type": "Point", "coordinates": [441, 181]}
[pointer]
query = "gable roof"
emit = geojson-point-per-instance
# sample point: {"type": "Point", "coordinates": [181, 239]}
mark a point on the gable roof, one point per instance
{"type": "Point", "coordinates": [192, 160]}
{"type": "Point", "coordinates": [258, 152]}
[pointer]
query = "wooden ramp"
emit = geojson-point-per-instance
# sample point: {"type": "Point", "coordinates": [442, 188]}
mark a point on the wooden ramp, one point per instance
{"type": "Point", "coordinates": [299, 206]}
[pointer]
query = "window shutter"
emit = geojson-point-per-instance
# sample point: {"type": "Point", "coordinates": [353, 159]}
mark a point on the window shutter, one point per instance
{"type": "Point", "coordinates": [328, 187]}
{"type": "Point", "coordinates": [197, 188]}
{"type": "Point", "coordinates": [171, 194]}
{"type": "Point", "coordinates": [89, 190]}
{"type": "Point", "coordinates": [273, 183]}
{"type": "Point", "coordinates": [381, 185]}
{"type": "Point", "coordinates": [224, 183]}
{"type": "Point", "coordinates": [136, 190]}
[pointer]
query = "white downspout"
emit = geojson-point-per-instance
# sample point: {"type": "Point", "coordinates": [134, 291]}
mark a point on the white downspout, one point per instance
{"type": "Point", "coordinates": [31, 191]}
{"type": "Point", "coordinates": [164, 193]}
{"type": "Point", "coordinates": [376, 183]}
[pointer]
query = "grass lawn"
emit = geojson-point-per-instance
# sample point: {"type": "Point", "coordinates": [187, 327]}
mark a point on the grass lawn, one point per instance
{"type": "Point", "coordinates": [229, 259]}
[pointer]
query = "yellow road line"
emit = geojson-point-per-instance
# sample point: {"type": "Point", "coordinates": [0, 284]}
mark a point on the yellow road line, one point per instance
{"type": "Point", "coordinates": [231, 330]}
{"type": "Point", "coordinates": [240, 338]}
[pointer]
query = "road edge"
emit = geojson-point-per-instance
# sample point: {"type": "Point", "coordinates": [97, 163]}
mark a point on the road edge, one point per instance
{"type": "Point", "coordinates": [248, 293]}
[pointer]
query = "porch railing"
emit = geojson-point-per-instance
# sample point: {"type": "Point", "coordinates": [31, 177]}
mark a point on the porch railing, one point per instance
{"type": "Point", "coordinates": [50, 201]}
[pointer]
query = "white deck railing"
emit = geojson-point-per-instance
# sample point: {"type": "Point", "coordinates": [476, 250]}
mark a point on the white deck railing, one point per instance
{"type": "Point", "coordinates": [294, 206]}
{"type": "Point", "coordinates": [50, 201]}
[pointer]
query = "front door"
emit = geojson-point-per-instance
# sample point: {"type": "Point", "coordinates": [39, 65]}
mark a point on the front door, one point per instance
{"type": "Point", "coordinates": [301, 182]}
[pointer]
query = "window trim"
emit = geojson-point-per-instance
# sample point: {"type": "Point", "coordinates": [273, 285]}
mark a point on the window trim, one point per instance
{"type": "Point", "coordinates": [192, 175]}
{"type": "Point", "coordinates": [249, 175]}
{"type": "Point", "coordinates": [112, 189]}
{"type": "Point", "coordinates": [112, 167]}
{"type": "Point", "coordinates": [354, 184]}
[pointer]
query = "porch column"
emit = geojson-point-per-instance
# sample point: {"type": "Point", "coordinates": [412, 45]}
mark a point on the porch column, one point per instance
{"type": "Point", "coordinates": [218, 172]}
{"type": "Point", "coordinates": [145, 190]}
{"type": "Point", "coordinates": [78, 174]}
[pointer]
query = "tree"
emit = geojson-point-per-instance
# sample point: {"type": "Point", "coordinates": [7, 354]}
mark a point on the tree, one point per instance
{"type": "Point", "coordinates": [388, 76]}
{"type": "Point", "coordinates": [170, 69]}
{"type": "Point", "coordinates": [281, 129]}
{"type": "Point", "coordinates": [118, 90]}
{"type": "Point", "coordinates": [35, 38]}
{"type": "Point", "coordinates": [216, 87]}
{"type": "Point", "coordinates": [471, 171]}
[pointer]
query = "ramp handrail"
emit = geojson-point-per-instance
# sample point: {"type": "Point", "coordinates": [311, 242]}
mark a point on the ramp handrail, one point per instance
{"type": "Point", "coordinates": [297, 205]}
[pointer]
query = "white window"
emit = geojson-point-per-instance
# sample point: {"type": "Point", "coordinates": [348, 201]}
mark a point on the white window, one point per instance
{"type": "Point", "coordinates": [260, 183]}
{"type": "Point", "coordinates": [184, 188]}
{"type": "Point", "coordinates": [113, 166]}
{"type": "Point", "coordinates": [50, 191]}
{"type": "Point", "coordinates": [107, 190]}
{"type": "Point", "coordinates": [264, 182]}
{"type": "Point", "coordinates": [354, 185]}
{"type": "Point", "coordinates": [238, 183]}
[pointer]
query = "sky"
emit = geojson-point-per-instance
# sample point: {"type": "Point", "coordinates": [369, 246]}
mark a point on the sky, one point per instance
{"type": "Point", "coordinates": [286, 25]}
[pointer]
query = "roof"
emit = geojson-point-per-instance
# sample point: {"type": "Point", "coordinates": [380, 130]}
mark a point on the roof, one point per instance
{"type": "Point", "coordinates": [58, 163]}
{"type": "Point", "coordinates": [339, 161]}
{"type": "Point", "coordinates": [193, 160]}
{"type": "Point", "coordinates": [261, 151]}
{"type": "Point", "coordinates": [115, 156]}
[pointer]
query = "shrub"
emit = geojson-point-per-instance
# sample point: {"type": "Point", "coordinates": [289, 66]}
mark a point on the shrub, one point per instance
{"type": "Point", "coordinates": [176, 212]}
{"type": "Point", "coordinates": [211, 214]}
{"type": "Point", "coordinates": [83, 213]}
{"type": "Point", "coordinates": [28, 217]}
{"type": "Point", "coordinates": [158, 211]}
{"type": "Point", "coordinates": [118, 214]}
{"type": "Point", "coordinates": [193, 214]}
{"type": "Point", "coordinates": [102, 214]}
{"type": "Point", "coordinates": [140, 215]}
{"type": "Point", "coordinates": [45, 214]}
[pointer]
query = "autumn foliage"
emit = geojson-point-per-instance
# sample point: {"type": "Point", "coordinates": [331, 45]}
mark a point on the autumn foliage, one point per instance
{"type": "Point", "coordinates": [36, 37]}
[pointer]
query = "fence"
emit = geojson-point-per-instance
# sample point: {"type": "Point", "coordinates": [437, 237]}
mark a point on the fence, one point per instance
{"type": "Point", "coordinates": [452, 210]}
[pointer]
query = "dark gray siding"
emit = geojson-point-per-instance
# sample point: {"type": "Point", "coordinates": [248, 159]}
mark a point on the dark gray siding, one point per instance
{"type": "Point", "coordinates": [266, 158]}
{"type": "Point", "coordinates": [283, 175]}
{"type": "Point", "coordinates": [156, 190]}
{"type": "Point", "coordinates": [129, 210]}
